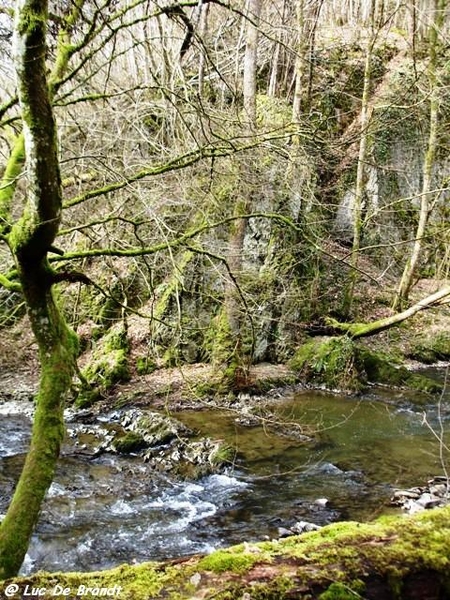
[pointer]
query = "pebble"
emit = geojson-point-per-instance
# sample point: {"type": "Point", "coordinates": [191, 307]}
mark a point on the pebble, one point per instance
{"type": "Point", "coordinates": [416, 499]}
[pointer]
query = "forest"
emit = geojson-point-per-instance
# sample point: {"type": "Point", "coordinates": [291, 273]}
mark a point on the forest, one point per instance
{"type": "Point", "coordinates": [209, 205]}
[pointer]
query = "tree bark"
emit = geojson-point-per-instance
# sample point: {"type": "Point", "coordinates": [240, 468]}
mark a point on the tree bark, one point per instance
{"type": "Point", "coordinates": [300, 63]}
{"type": "Point", "coordinates": [29, 240]}
{"type": "Point", "coordinates": [413, 261]}
{"type": "Point", "coordinates": [230, 321]}
{"type": "Point", "coordinates": [360, 184]}
{"type": "Point", "coordinates": [250, 62]}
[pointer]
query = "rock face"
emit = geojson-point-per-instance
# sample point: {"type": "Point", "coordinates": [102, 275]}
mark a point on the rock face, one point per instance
{"type": "Point", "coordinates": [436, 493]}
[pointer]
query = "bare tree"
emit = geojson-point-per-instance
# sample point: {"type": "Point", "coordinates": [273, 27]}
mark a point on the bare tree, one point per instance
{"type": "Point", "coordinates": [426, 199]}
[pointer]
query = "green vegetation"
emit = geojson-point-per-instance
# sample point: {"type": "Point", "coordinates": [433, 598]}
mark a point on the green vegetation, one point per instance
{"type": "Point", "coordinates": [108, 365]}
{"type": "Point", "coordinates": [429, 350]}
{"type": "Point", "coordinates": [129, 443]}
{"type": "Point", "coordinates": [333, 363]}
{"type": "Point", "coordinates": [340, 562]}
{"type": "Point", "coordinates": [236, 560]}
{"type": "Point", "coordinates": [339, 363]}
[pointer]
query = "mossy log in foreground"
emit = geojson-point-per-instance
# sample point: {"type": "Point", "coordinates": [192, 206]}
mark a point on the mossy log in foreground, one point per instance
{"type": "Point", "coordinates": [398, 558]}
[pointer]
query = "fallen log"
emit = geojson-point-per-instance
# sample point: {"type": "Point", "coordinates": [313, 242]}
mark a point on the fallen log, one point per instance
{"type": "Point", "coordinates": [357, 330]}
{"type": "Point", "coordinates": [405, 558]}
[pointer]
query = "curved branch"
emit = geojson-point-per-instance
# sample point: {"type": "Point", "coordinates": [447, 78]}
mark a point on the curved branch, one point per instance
{"type": "Point", "coordinates": [12, 286]}
{"type": "Point", "coordinates": [357, 330]}
{"type": "Point", "coordinates": [226, 148]}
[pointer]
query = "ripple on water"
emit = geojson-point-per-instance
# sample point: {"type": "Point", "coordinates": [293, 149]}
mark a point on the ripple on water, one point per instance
{"type": "Point", "coordinates": [143, 527]}
{"type": "Point", "coordinates": [105, 510]}
{"type": "Point", "coordinates": [15, 437]}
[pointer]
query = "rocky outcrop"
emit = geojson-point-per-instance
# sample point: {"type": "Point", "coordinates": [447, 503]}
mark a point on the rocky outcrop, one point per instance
{"type": "Point", "coordinates": [416, 499]}
{"type": "Point", "coordinates": [167, 443]}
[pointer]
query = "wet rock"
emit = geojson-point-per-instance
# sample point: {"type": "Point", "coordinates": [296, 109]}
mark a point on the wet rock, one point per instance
{"type": "Point", "coordinates": [321, 502]}
{"type": "Point", "coordinates": [298, 528]}
{"type": "Point", "coordinates": [416, 499]}
{"type": "Point", "coordinates": [189, 459]}
{"type": "Point", "coordinates": [155, 438]}
{"type": "Point", "coordinates": [130, 443]}
{"type": "Point", "coordinates": [283, 532]}
{"type": "Point", "coordinates": [154, 428]}
{"type": "Point", "coordinates": [304, 527]}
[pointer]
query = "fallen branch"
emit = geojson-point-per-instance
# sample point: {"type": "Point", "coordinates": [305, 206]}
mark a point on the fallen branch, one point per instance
{"type": "Point", "coordinates": [357, 330]}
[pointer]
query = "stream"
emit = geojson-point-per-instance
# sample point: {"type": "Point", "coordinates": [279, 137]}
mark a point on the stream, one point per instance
{"type": "Point", "coordinates": [109, 509]}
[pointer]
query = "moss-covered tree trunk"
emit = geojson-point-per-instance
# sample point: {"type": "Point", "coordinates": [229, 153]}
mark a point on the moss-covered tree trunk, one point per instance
{"type": "Point", "coordinates": [30, 239]}
{"type": "Point", "coordinates": [358, 330]}
{"type": "Point", "coordinates": [403, 558]}
{"type": "Point", "coordinates": [426, 204]}
{"type": "Point", "coordinates": [227, 353]}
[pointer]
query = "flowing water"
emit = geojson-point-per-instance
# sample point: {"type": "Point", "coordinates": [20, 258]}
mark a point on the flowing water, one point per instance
{"type": "Point", "coordinates": [105, 510]}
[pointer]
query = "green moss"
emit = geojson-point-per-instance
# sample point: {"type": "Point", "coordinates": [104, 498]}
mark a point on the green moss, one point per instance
{"type": "Point", "coordinates": [229, 560]}
{"type": "Point", "coordinates": [431, 349]}
{"type": "Point", "coordinates": [339, 591]}
{"type": "Point", "coordinates": [10, 176]}
{"type": "Point", "coordinates": [171, 357]}
{"type": "Point", "coordinates": [87, 397]}
{"type": "Point", "coordinates": [109, 364]}
{"type": "Point", "coordinates": [223, 455]}
{"type": "Point", "coordinates": [226, 358]}
{"type": "Point", "coordinates": [336, 563]}
{"type": "Point", "coordinates": [332, 363]}
{"type": "Point", "coordinates": [380, 369]}
{"type": "Point", "coordinates": [219, 340]}
{"type": "Point", "coordinates": [130, 442]}
{"type": "Point", "coordinates": [137, 583]}
{"type": "Point", "coordinates": [272, 112]}
{"type": "Point", "coordinates": [145, 365]}
{"type": "Point", "coordinates": [340, 363]}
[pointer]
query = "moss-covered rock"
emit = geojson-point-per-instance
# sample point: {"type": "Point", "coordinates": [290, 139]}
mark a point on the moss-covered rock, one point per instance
{"type": "Point", "coordinates": [332, 363]}
{"type": "Point", "coordinates": [129, 443]}
{"type": "Point", "coordinates": [108, 365]}
{"type": "Point", "coordinates": [154, 428]}
{"type": "Point", "coordinates": [191, 460]}
{"type": "Point", "coordinates": [431, 349]}
{"type": "Point", "coordinates": [341, 363]}
{"type": "Point", "coordinates": [379, 369]}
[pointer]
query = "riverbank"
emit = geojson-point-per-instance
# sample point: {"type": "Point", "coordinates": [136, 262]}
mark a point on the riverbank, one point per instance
{"type": "Point", "coordinates": [422, 340]}
{"type": "Point", "coordinates": [305, 457]}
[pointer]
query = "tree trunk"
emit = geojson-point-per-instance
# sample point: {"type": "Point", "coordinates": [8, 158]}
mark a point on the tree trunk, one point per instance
{"type": "Point", "coordinates": [231, 318]}
{"type": "Point", "coordinates": [202, 29]}
{"type": "Point", "coordinates": [250, 62]}
{"type": "Point", "coordinates": [403, 557]}
{"type": "Point", "coordinates": [30, 240]}
{"type": "Point", "coordinates": [360, 185]}
{"type": "Point", "coordinates": [300, 64]}
{"type": "Point", "coordinates": [412, 264]}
